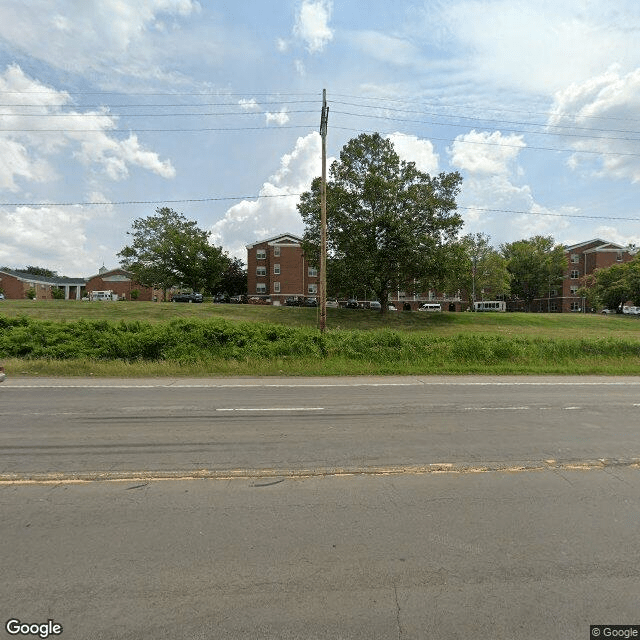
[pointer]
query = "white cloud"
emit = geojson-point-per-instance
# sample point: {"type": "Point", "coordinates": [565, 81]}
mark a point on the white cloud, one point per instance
{"type": "Point", "coordinates": [280, 117]}
{"type": "Point", "coordinates": [275, 212]}
{"type": "Point", "coordinates": [249, 105]}
{"type": "Point", "coordinates": [414, 149]}
{"type": "Point", "coordinates": [602, 110]}
{"type": "Point", "coordinates": [542, 46]}
{"type": "Point", "coordinates": [50, 236]}
{"type": "Point", "coordinates": [121, 31]}
{"type": "Point", "coordinates": [485, 153]}
{"type": "Point", "coordinates": [27, 145]}
{"type": "Point", "coordinates": [312, 24]}
{"type": "Point", "coordinates": [386, 48]}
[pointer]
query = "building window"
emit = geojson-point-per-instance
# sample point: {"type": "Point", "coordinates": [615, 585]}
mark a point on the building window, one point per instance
{"type": "Point", "coordinates": [276, 252]}
{"type": "Point", "coordinates": [575, 306]}
{"type": "Point", "coordinates": [575, 258]}
{"type": "Point", "coordinates": [276, 287]}
{"type": "Point", "coordinates": [554, 292]}
{"type": "Point", "coordinates": [573, 290]}
{"type": "Point", "coordinates": [554, 306]}
{"type": "Point", "coordinates": [261, 254]}
{"type": "Point", "coordinates": [261, 287]}
{"type": "Point", "coordinates": [312, 289]}
{"type": "Point", "coordinates": [619, 256]}
{"type": "Point", "coordinates": [575, 274]}
{"type": "Point", "coordinates": [276, 269]}
{"type": "Point", "coordinates": [313, 272]}
{"type": "Point", "coordinates": [261, 271]}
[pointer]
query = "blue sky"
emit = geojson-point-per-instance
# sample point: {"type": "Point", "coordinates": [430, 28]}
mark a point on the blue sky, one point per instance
{"type": "Point", "coordinates": [213, 108]}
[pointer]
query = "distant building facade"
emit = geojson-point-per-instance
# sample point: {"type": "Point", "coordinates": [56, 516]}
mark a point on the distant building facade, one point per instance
{"type": "Point", "coordinates": [16, 285]}
{"type": "Point", "coordinates": [582, 260]}
{"type": "Point", "coordinates": [277, 269]}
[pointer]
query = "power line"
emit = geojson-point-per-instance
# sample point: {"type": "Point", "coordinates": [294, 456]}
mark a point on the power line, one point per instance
{"type": "Point", "coordinates": [296, 195]}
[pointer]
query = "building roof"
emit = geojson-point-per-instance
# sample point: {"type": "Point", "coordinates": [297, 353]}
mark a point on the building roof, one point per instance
{"type": "Point", "coordinates": [600, 245]}
{"type": "Point", "coordinates": [38, 279]}
{"type": "Point", "coordinates": [283, 238]}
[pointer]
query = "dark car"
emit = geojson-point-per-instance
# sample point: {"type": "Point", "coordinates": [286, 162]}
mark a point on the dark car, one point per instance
{"type": "Point", "coordinates": [310, 302]}
{"type": "Point", "coordinates": [221, 298]}
{"type": "Point", "coordinates": [238, 299]}
{"type": "Point", "coordinates": [293, 301]}
{"type": "Point", "coordinates": [352, 304]}
{"type": "Point", "coordinates": [186, 297]}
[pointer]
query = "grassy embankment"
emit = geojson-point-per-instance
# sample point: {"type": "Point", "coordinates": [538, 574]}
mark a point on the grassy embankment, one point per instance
{"type": "Point", "coordinates": [158, 339]}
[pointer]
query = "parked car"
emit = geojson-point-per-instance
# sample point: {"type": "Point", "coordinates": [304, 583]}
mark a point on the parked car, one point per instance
{"type": "Point", "coordinates": [2, 374]}
{"type": "Point", "coordinates": [333, 303]}
{"type": "Point", "coordinates": [187, 297]}
{"type": "Point", "coordinates": [238, 299]}
{"type": "Point", "coordinates": [1, 296]}
{"type": "Point", "coordinates": [352, 303]}
{"type": "Point", "coordinates": [392, 307]}
{"type": "Point", "coordinates": [293, 301]}
{"type": "Point", "coordinates": [608, 311]}
{"type": "Point", "coordinates": [220, 298]}
{"type": "Point", "coordinates": [374, 305]}
{"type": "Point", "coordinates": [310, 302]}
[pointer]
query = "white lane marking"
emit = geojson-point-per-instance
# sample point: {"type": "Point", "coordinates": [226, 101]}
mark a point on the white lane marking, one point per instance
{"type": "Point", "coordinates": [316, 385]}
{"type": "Point", "coordinates": [571, 408]}
{"type": "Point", "coordinates": [273, 409]}
{"type": "Point", "coordinates": [496, 408]}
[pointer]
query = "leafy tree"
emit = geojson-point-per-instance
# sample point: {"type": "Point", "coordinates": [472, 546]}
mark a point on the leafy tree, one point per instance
{"type": "Point", "coordinates": [477, 267]}
{"type": "Point", "coordinates": [57, 293]}
{"type": "Point", "coordinates": [388, 223]}
{"type": "Point", "coordinates": [613, 286]}
{"type": "Point", "coordinates": [30, 293]}
{"type": "Point", "coordinates": [234, 279]}
{"type": "Point", "coordinates": [39, 271]}
{"type": "Point", "coordinates": [535, 265]}
{"type": "Point", "coordinates": [168, 250]}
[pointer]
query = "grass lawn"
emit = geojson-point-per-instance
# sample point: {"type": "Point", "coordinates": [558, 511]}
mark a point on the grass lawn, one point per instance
{"type": "Point", "coordinates": [357, 342]}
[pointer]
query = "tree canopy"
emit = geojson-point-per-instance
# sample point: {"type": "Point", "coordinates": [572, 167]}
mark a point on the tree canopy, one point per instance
{"type": "Point", "coordinates": [478, 270]}
{"type": "Point", "coordinates": [388, 223]}
{"type": "Point", "coordinates": [613, 286]}
{"type": "Point", "coordinates": [168, 250]}
{"type": "Point", "coordinates": [536, 265]}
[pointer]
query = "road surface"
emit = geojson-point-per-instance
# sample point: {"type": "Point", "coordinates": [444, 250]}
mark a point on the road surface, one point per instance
{"type": "Point", "coordinates": [320, 508]}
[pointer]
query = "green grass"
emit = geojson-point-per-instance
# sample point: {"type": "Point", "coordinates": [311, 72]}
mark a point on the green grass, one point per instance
{"type": "Point", "coordinates": [159, 339]}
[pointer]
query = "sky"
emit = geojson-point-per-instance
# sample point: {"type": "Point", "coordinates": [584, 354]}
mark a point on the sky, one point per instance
{"type": "Point", "coordinates": [113, 108]}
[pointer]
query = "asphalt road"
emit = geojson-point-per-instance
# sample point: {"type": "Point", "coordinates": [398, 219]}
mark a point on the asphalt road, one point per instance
{"type": "Point", "coordinates": [320, 508]}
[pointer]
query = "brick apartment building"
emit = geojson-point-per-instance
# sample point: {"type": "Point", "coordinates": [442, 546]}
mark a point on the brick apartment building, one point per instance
{"type": "Point", "coordinates": [277, 269]}
{"type": "Point", "coordinates": [582, 260]}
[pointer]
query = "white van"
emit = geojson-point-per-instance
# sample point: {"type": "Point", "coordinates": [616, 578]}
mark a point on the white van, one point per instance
{"type": "Point", "coordinates": [103, 295]}
{"type": "Point", "coordinates": [430, 306]}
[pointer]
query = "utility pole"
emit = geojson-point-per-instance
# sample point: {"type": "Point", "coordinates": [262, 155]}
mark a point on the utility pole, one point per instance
{"type": "Point", "coordinates": [324, 118]}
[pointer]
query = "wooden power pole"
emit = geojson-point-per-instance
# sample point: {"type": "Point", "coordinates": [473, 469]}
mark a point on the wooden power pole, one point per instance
{"type": "Point", "coordinates": [324, 118]}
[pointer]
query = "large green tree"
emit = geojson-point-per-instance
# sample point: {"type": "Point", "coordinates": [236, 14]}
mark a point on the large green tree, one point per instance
{"type": "Point", "coordinates": [388, 223]}
{"type": "Point", "coordinates": [536, 266]}
{"type": "Point", "coordinates": [479, 269]}
{"type": "Point", "coordinates": [168, 250]}
{"type": "Point", "coordinates": [613, 286]}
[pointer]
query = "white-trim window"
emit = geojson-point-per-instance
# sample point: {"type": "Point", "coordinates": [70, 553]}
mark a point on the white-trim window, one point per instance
{"type": "Point", "coordinates": [276, 287]}
{"type": "Point", "coordinates": [575, 306]}
{"type": "Point", "coordinates": [619, 256]}
{"type": "Point", "coordinates": [276, 269]}
{"type": "Point", "coordinates": [276, 251]}
{"type": "Point", "coordinates": [312, 289]}
{"type": "Point", "coordinates": [312, 272]}
{"type": "Point", "coordinates": [261, 254]}
{"type": "Point", "coordinates": [261, 287]}
{"type": "Point", "coordinates": [575, 274]}
{"type": "Point", "coordinates": [261, 271]}
{"type": "Point", "coordinates": [573, 289]}
{"type": "Point", "coordinates": [575, 258]}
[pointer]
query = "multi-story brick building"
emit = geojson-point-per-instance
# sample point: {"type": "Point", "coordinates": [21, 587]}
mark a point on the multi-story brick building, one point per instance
{"type": "Point", "coordinates": [277, 269]}
{"type": "Point", "coordinates": [582, 260]}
